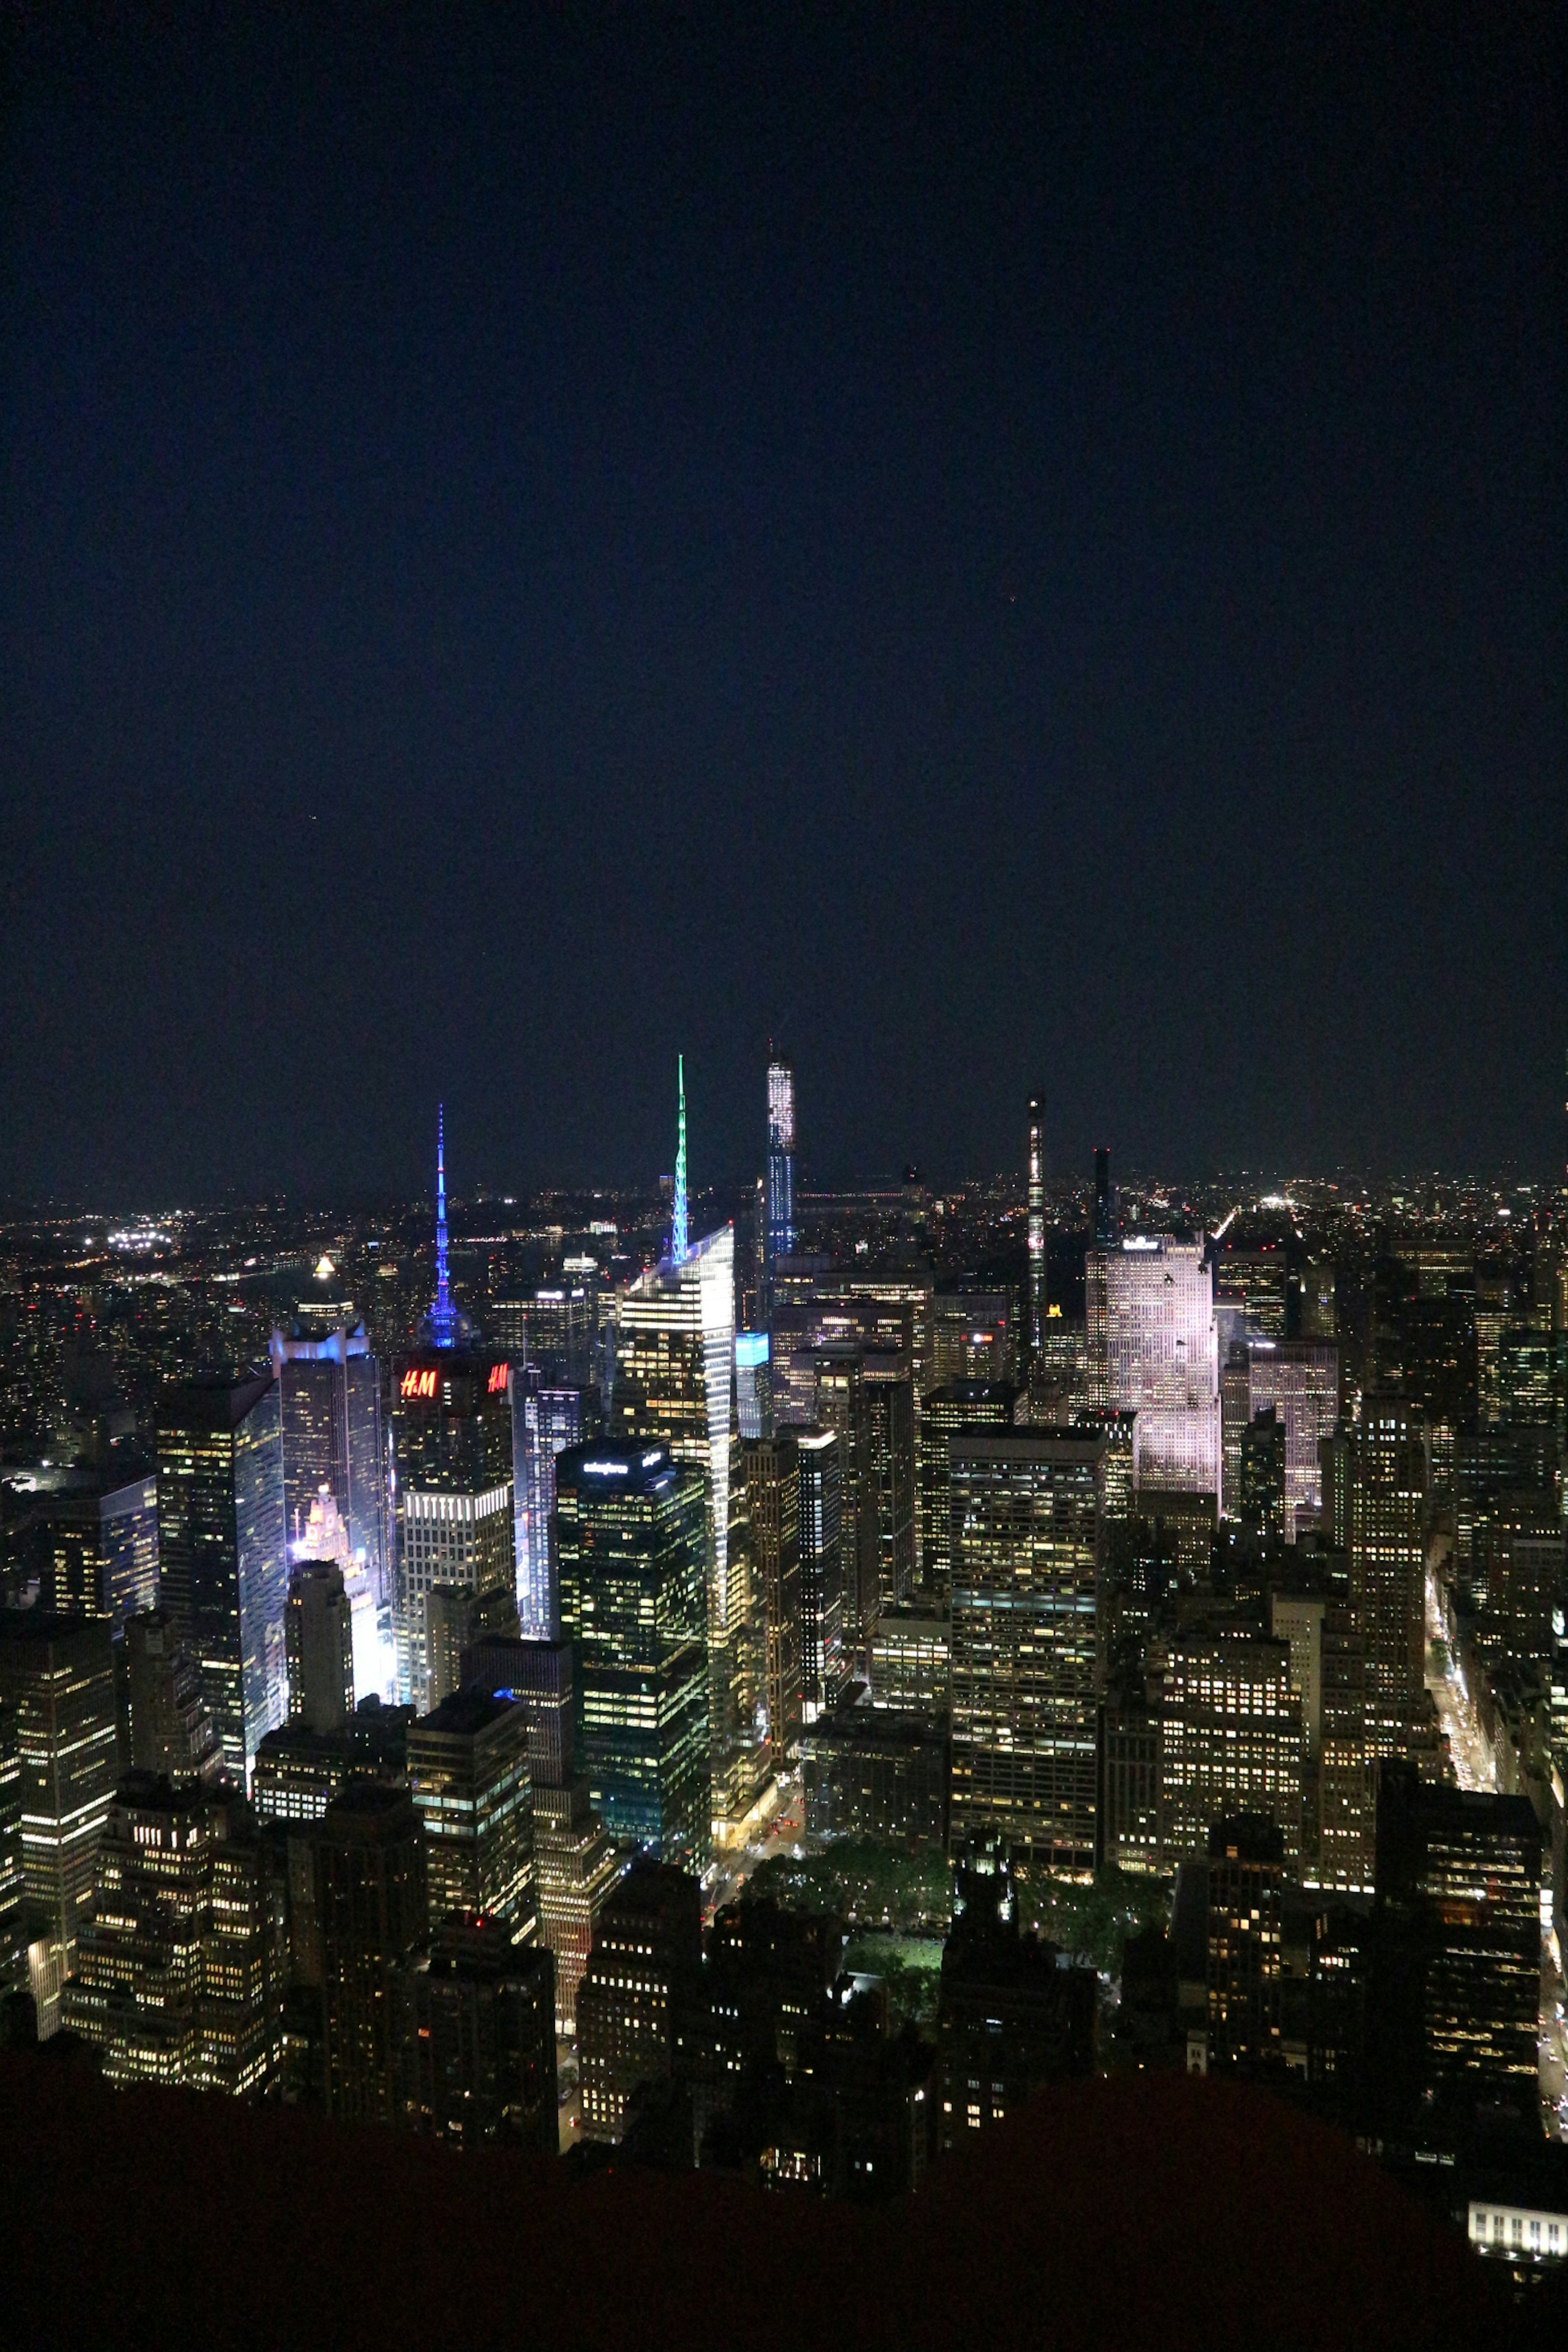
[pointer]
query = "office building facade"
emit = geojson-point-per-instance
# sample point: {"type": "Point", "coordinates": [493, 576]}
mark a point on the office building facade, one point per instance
{"type": "Point", "coordinates": [1151, 1348]}
{"type": "Point", "coordinates": [223, 1554]}
{"type": "Point", "coordinates": [1026, 1557]}
{"type": "Point", "coordinates": [56, 1684]}
{"type": "Point", "coordinates": [453, 1510]}
{"type": "Point", "coordinates": [632, 1537]}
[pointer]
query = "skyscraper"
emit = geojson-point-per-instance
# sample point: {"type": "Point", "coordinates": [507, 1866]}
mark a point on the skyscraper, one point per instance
{"type": "Point", "coordinates": [1231, 1739]}
{"type": "Point", "coordinates": [632, 1544]}
{"type": "Point", "coordinates": [1025, 1548]}
{"type": "Point", "coordinates": [1301, 1379]}
{"type": "Point", "coordinates": [890, 1430]}
{"type": "Point", "coordinates": [843, 1403]}
{"type": "Point", "coordinates": [128, 1538]}
{"type": "Point", "coordinates": [1036, 1229]}
{"type": "Point", "coordinates": [545, 1421]}
{"type": "Point", "coordinates": [452, 1490]}
{"type": "Point", "coordinates": [176, 1976]}
{"type": "Point", "coordinates": [468, 1776]}
{"type": "Point", "coordinates": [223, 1556]}
{"type": "Point", "coordinates": [1388, 1567]}
{"type": "Point", "coordinates": [318, 1642]}
{"type": "Point", "coordinates": [778, 1230]}
{"type": "Point", "coordinates": [675, 1384]}
{"type": "Point", "coordinates": [1151, 1347]}
{"type": "Point", "coordinates": [56, 1683]}
{"type": "Point", "coordinates": [475, 2031]}
{"type": "Point", "coordinates": [171, 1726]}
{"type": "Point", "coordinates": [330, 1390]}
{"type": "Point", "coordinates": [368, 1911]}
{"type": "Point", "coordinates": [1458, 1879]}
{"type": "Point", "coordinates": [576, 1862]}
{"type": "Point", "coordinates": [637, 2001]}
{"type": "Point", "coordinates": [965, 1405]}
{"type": "Point", "coordinates": [825, 1663]}
{"type": "Point", "coordinates": [770, 1467]}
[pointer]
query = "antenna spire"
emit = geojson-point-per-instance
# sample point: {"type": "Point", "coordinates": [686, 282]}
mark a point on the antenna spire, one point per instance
{"type": "Point", "coordinates": [443, 1320]}
{"type": "Point", "coordinates": [678, 1242]}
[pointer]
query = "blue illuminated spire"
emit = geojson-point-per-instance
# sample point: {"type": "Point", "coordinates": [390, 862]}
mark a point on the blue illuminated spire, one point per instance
{"type": "Point", "coordinates": [678, 1246]}
{"type": "Point", "coordinates": [443, 1320]}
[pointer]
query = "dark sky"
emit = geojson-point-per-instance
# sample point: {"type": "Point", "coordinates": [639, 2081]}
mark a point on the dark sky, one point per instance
{"type": "Point", "coordinates": [999, 546]}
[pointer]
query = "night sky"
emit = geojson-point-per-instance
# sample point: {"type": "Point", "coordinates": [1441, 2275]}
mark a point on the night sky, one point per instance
{"type": "Point", "coordinates": [1001, 546]}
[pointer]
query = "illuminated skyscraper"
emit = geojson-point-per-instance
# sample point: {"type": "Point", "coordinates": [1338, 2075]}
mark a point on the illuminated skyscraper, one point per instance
{"type": "Point", "coordinates": [1036, 1228]}
{"type": "Point", "coordinates": [56, 1683]}
{"type": "Point", "coordinates": [468, 1776]}
{"type": "Point", "coordinates": [632, 1546]}
{"type": "Point", "coordinates": [452, 1490]}
{"type": "Point", "coordinates": [1388, 1567]}
{"type": "Point", "coordinates": [778, 1231]}
{"type": "Point", "coordinates": [967, 1404]}
{"type": "Point", "coordinates": [445, 1326]}
{"type": "Point", "coordinates": [1026, 1550]}
{"type": "Point", "coordinates": [1300, 1377]}
{"type": "Point", "coordinates": [330, 1390]}
{"type": "Point", "coordinates": [637, 2005]}
{"type": "Point", "coordinates": [1151, 1348]}
{"type": "Point", "coordinates": [574, 1858]}
{"type": "Point", "coordinates": [128, 1538]}
{"type": "Point", "coordinates": [1231, 1739]}
{"type": "Point", "coordinates": [891, 1424]}
{"type": "Point", "coordinates": [223, 1555]}
{"type": "Point", "coordinates": [843, 1403]}
{"type": "Point", "coordinates": [176, 1974]}
{"type": "Point", "coordinates": [677, 1235]}
{"type": "Point", "coordinates": [674, 1383]}
{"type": "Point", "coordinates": [753, 1388]}
{"type": "Point", "coordinates": [546, 1422]}
{"type": "Point", "coordinates": [771, 1470]}
{"type": "Point", "coordinates": [825, 1663]}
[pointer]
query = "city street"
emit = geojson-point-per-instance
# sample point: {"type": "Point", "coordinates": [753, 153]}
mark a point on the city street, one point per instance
{"type": "Point", "coordinates": [1468, 1743]}
{"type": "Point", "coordinates": [1474, 1763]}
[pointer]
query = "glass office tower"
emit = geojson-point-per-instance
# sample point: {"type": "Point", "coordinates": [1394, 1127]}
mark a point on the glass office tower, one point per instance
{"type": "Point", "coordinates": [779, 1225]}
{"type": "Point", "coordinates": [675, 1378]}
{"type": "Point", "coordinates": [632, 1548]}
{"type": "Point", "coordinates": [223, 1553]}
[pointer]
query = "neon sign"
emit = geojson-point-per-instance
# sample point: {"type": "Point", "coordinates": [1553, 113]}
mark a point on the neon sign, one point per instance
{"type": "Point", "coordinates": [417, 1384]}
{"type": "Point", "coordinates": [497, 1381]}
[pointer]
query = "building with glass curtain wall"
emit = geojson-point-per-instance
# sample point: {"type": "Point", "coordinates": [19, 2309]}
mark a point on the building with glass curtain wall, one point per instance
{"type": "Point", "coordinates": [632, 1547]}
{"type": "Point", "coordinates": [778, 1230]}
{"type": "Point", "coordinates": [675, 1384]}
{"type": "Point", "coordinates": [223, 1553]}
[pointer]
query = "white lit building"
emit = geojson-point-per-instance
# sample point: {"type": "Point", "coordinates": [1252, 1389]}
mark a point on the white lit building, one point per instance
{"type": "Point", "coordinates": [1151, 1349]}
